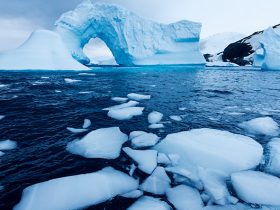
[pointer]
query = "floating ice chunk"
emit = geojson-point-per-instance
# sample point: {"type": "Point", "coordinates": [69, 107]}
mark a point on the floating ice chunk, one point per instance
{"type": "Point", "coordinates": [45, 77]}
{"type": "Point", "coordinates": [156, 126]}
{"type": "Point", "coordinates": [273, 164]}
{"type": "Point", "coordinates": [87, 123]}
{"type": "Point", "coordinates": [68, 80]}
{"type": "Point", "coordinates": [134, 134]}
{"type": "Point", "coordinates": [121, 106]}
{"type": "Point", "coordinates": [145, 140]}
{"type": "Point", "coordinates": [155, 117]}
{"type": "Point", "coordinates": [215, 185]}
{"type": "Point", "coordinates": [163, 159]}
{"type": "Point", "coordinates": [119, 99]}
{"type": "Point", "coordinates": [133, 194]}
{"type": "Point", "coordinates": [149, 203]}
{"type": "Point", "coordinates": [185, 198]}
{"type": "Point", "coordinates": [238, 206]}
{"type": "Point", "coordinates": [2, 117]}
{"type": "Point", "coordinates": [176, 118]}
{"type": "Point", "coordinates": [126, 113]}
{"type": "Point", "coordinates": [1, 153]}
{"type": "Point", "coordinates": [2, 85]}
{"type": "Point", "coordinates": [257, 187]}
{"type": "Point", "coordinates": [87, 74]}
{"type": "Point", "coordinates": [85, 92]}
{"type": "Point", "coordinates": [58, 91]}
{"type": "Point", "coordinates": [138, 97]}
{"type": "Point", "coordinates": [157, 183]}
{"type": "Point", "coordinates": [182, 108]}
{"type": "Point", "coordinates": [212, 149]}
{"type": "Point", "coordinates": [262, 125]}
{"type": "Point", "coordinates": [76, 192]}
{"type": "Point", "coordinates": [76, 130]}
{"type": "Point", "coordinates": [103, 143]}
{"type": "Point", "coordinates": [146, 159]}
{"type": "Point", "coordinates": [7, 145]}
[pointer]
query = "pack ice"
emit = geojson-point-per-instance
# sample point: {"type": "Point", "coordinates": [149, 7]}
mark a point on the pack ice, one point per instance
{"type": "Point", "coordinates": [132, 39]}
{"type": "Point", "coordinates": [76, 192]}
{"type": "Point", "coordinates": [212, 149]}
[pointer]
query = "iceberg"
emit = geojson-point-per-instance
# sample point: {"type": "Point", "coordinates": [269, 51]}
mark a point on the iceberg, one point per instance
{"type": "Point", "coordinates": [261, 126]}
{"type": "Point", "coordinates": [103, 143]}
{"type": "Point", "coordinates": [149, 203]}
{"type": "Point", "coordinates": [44, 50]}
{"type": "Point", "coordinates": [273, 163]}
{"type": "Point", "coordinates": [212, 149]}
{"type": "Point", "coordinates": [155, 117]}
{"type": "Point", "coordinates": [146, 159]}
{"type": "Point", "coordinates": [185, 198]}
{"type": "Point", "coordinates": [131, 39]}
{"type": "Point", "coordinates": [76, 192]}
{"type": "Point", "coordinates": [267, 56]}
{"type": "Point", "coordinates": [257, 187]}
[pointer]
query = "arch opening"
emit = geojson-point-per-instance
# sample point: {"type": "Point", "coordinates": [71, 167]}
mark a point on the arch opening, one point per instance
{"type": "Point", "coordinates": [99, 53]}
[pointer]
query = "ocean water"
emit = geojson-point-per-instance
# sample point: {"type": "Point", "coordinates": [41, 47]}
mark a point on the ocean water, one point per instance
{"type": "Point", "coordinates": [39, 105]}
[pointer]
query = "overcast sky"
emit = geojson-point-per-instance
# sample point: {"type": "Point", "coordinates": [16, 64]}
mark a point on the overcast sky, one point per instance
{"type": "Point", "coordinates": [18, 18]}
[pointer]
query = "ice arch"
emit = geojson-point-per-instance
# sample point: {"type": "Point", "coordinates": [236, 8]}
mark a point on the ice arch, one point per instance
{"type": "Point", "coordinates": [132, 40]}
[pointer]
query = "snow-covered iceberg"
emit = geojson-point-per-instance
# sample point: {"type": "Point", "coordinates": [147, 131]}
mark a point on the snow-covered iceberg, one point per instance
{"type": "Point", "coordinates": [132, 39]}
{"type": "Point", "coordinates": [212, 149]}
{"type": "Point", "coordinates": [76, 192]}
{"type": "Point", "coordinates": [268, 56]}
{"type": "Point", "coordinates": [44, 50]}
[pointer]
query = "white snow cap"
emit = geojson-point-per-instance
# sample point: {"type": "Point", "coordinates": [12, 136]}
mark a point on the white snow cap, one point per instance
{"type": "Point", "coordinates": [185, 198]}
{"type": "Point", "coordinates": [103, 143]}
{"type": "Point", "coordinates": [262, 125]}
{"type": "Point", "coordinates": [257, 187]}
{"type": "Point", "coordinates": [44, 50]}
{"type": "Point", "coordinates": [138, 97]}
{"type": "Point", "coordinates": [155, 117]}
{"type": "Point", "coordinates": [126, 113]}
{"type": "Point", "coordinates": [76, 192]}
{"type": "Point", "coordinates": [146, 159]}
{"type": "Point", "coordinates": [149, 203]}
{"type": "Point", "coordinates": [273, 163]}
{"type": "Point", "coordinates": [212, 149]}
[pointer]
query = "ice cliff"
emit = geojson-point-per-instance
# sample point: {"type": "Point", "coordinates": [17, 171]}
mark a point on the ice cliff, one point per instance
{"type": "Point", "coordinates": [132, 39]}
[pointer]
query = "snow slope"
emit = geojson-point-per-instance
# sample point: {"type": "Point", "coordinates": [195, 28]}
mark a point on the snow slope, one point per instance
{"type": "Point", "coordinates": [218, 42]}
{"type": "Point", "coordinates": [44, 50]}
{"type": "Point", "coordinates": [132, 39]}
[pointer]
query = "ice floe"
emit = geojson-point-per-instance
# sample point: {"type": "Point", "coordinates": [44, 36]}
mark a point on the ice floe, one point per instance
{"type": "Point", "coordinates": [87, 123]}
{"type": "Point", "coordinates": [1, 153]}
{"type": "Point", "coordinates": [257, 187]}
{"type": "Point", "coordinates": [126, 113]}
{"type": "Point", "coordinates": [103, 143]}
{"type": "Point", "coordinates": [262, 126]}
{"type": "Point", "coordinates": [121, 106]}
{"type": "Point", "coordinates": [212, 149]}
{"type": "Point", "coordinates": [157, 183]}
{"type": "Point", "coordinates": [149, 203]}
{"type": "Point", "coordinates": [155, 117]}
{"type": "Point", "coordinates": [146, 159]}
{"type": "Point", "coordinates": [273, 163]}
{"type": "Point", "coordinates": [185, 198]}
{"type": "Point", "coordinates": [156, 126]}
{"type": "Point", "coordinates": [2, 117]}
{"type": "Point", "coordinates": [133, 194]}
{"type": "Point", "coordinates": [76, 192]}
{"type": "Point", "coordinates": [138, 97]}
{"type": "Point", "coordinates": [7, 145]}
{"type": "Point", "coordinates": [134, 134]}
{"type": "Point", "coordinates": [163, 159]}
{"type": "Point", "coordinates": [144, 140]}
{"type": "Point", "coordinates": [68, 80]}
{"type": "Point", "coordinates": [176, 118]}
{"type": "Point", "coordinates": [119, 99]}
{"type": "Point", "coordinates": [76, 130]}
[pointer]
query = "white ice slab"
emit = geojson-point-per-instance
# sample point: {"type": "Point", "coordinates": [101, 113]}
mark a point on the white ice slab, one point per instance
{"type": "Point", "coordinates": [155, 117]}
{"type": "Point", "coordinates": [76, 130]}
{"type": "Point", "coordinates": [121, 106]}
{"type": "Point", "coordinates": [138, 97]}
{"type": "Point", "coordinates": [273, 163]}
{"type": "Point", "coordinates": [144, 140]}
{"type": "Point", "coordinates": [87, 123]}
{"type": "Point", "coordinates": [7, 145]}
{"type": "Point", "coordinates": [119, 99]}
{"type": "Point", "coordinates": [126, 113]}
{"type": "Point", "coordinates": [149, 203]}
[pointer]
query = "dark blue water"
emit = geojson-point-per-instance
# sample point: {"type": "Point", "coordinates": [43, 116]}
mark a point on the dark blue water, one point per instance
{"type": "Point", "coordinates": [37, 115]}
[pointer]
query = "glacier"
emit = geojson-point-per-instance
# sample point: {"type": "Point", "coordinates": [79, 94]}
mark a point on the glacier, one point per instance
{"type": "Point", "coordinates": [267, 56]}
{"type": "Point", "coordinates": [132, 39]}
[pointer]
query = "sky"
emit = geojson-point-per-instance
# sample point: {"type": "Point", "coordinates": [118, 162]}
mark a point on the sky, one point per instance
{"type": "Point", "coordinates": [18, 18]}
